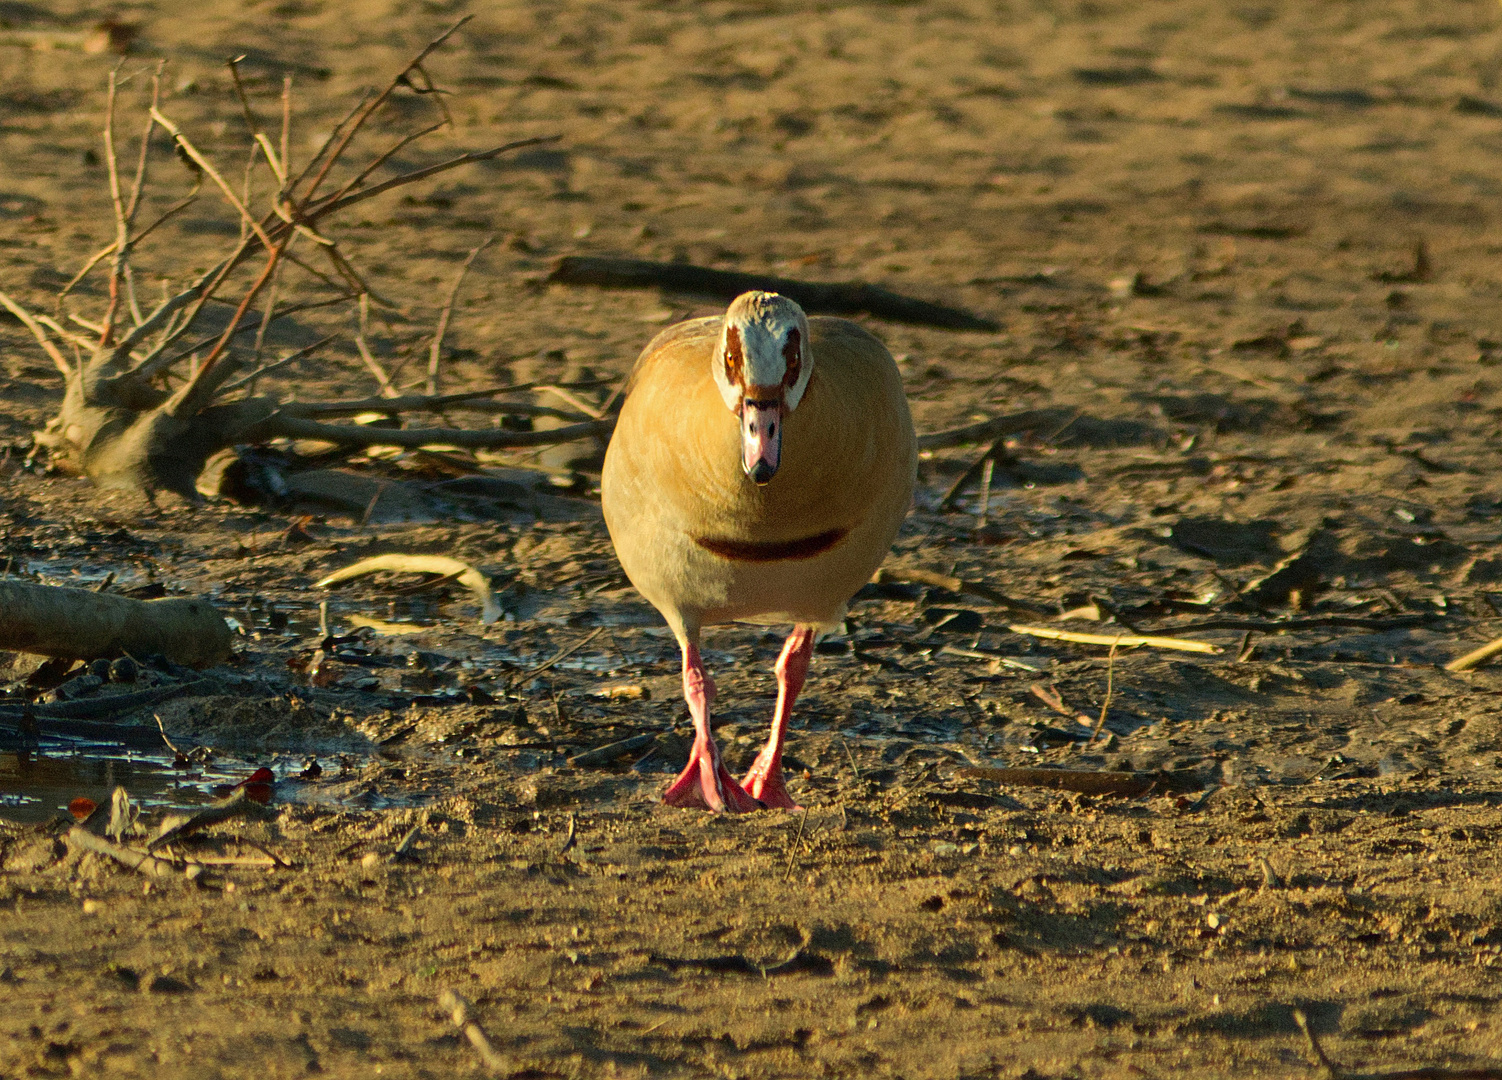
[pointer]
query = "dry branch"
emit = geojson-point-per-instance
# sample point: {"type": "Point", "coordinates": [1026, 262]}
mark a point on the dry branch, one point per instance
{"type": "Point", "coordinates": [832, 298]}
{"type": "Point", "coordinates": [53, 620]}
{"type": "Point", "coordinates": [435, 351]}
{"type": "Point", "coordinates": [292, 427]}
{"type": "Point", "coordinates": [147, 409]}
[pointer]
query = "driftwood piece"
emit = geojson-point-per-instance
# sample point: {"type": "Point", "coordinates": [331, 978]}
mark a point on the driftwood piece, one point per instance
{"type": "Point", "coordinates": [81, 839]}
{"type": "Point", "coordinates": [51, 722]}
{"type": "Point", "coordinates": [827, 298]}
{"type": "Point", "coordinates": [79, 719]}
{"type": "Point", "coordinates": [1092, 782]}
{"type": "Point", "coordinates": [462, 572]}
{"type": "Point", "coordinates": [54, 620]}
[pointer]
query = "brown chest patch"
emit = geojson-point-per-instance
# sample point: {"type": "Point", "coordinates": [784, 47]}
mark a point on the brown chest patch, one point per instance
{"type": "Point", "coordinates": [805, 547]}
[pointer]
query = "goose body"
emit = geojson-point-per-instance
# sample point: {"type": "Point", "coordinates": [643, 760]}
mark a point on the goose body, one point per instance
{"type": "Point", "coordinates": [759, 471]}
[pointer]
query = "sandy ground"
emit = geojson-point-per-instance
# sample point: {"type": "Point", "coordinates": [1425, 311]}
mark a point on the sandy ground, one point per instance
{"type": "Point", "coordinates": [1197, 225]}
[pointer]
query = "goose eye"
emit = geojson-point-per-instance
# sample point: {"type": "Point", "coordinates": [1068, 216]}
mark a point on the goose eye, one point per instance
{"type": "Point", "coordinates": [792, 354]}
{"type": "Point", "coordinates": [735, 357]}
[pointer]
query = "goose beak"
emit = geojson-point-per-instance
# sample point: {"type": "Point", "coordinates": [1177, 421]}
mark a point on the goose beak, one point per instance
{"type": "Point", "coordinates": [761, 438]}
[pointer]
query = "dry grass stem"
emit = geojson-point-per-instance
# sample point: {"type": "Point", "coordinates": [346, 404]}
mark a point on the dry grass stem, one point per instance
{"type": "Point", "coordinates": [1126, 641]}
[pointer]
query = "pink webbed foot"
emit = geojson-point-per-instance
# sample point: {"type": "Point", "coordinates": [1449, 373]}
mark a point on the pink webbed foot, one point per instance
{"type": "Point", "coordinates": [705, 784]}
{"type": "Point", "coordinates": [764, 778]}
{"type": "Point", "coordinates": [764, 781]}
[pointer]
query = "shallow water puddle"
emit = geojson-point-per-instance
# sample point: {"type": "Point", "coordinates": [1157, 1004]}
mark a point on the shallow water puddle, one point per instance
{"type": "Point", "coordinates": [37, 785]}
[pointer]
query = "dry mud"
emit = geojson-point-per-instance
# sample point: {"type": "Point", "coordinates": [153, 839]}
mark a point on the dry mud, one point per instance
{"type": "Point", "coordinates": [1198, 226]}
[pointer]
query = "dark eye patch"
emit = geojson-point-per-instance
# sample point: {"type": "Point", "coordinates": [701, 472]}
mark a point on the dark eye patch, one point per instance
{"type": "Point", "coordinates": [792, 353]}
{"type": "Point", "coordinates": [735, 356]}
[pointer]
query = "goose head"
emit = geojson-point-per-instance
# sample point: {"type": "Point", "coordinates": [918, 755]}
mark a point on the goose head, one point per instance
{"type": "Point", "coordinates": [762, 365]}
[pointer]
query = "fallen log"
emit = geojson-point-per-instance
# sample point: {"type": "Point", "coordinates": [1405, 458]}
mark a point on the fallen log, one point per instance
{"type": "Point", "coordinates": [54, 620]}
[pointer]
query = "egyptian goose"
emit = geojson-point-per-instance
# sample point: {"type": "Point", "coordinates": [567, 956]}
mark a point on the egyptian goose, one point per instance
{"type": "Point", "coordinates": [761, 466]}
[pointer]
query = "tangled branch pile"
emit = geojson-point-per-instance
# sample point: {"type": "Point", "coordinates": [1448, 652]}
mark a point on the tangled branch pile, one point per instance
{"type": "Point", "coordinates": [151, 396]}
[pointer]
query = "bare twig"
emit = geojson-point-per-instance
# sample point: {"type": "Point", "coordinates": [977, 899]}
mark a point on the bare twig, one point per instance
{"type": "Point", "coordinates": [1476, 657]}
{"type": "Point", "coordinates": [109, 249]}
{"type": "Point", "coordinates": [337, 149]}
{"type": "Point", "coordinates": [403, 851]}
{"type": "Point", "coordinates": [1331, 1070]}
{"type": "Point", "coordinates": [1126, 641]}
{"type": "Point", "coordinates": [461, 1012]}
{"type": "Point", "coordinates": [793, 851]}
{"type": "Point", "coordinates": [985, 492]}
{"type": "Point", "coordinates": [29, 321]}
{"type": "Point", "coordinates": [333, 204]}
{"type": "Point", "coordinates": [563, 654]}
{"type": "Point", "coordinates": [575, 400]}
{"type": "Point", "coordinates": [267, 312]}
{"type": "Point", "coordinates": [208, 167]}
{"type": "Point", "coordinates": [286, 139]}
{"type": "Point", "coordinates": [1106, 704]}
{"type": "Point", "coordinates": [435, 353]}
{"type": "Point", "coordinates": [1051, 697]}
{"type": "Point", "coordinates": [1090, 782]}
{"type": "Point", "coordinates": [198, 389]}
{"type": "Point", "coordinates": [1274, 626]}
{"type": "Point", "coordinates": [116, 200]}
{"type": "Point", "coordinates": [382, 158]}
{"type": "Point", "coordinates": [265, 369]}
{"type": "Point", "coordinates": [382, 379]}
{"type": "Point", "coordinates": [955, 585]}
{"type": "Point", "coordinates": [604, 755]}
{"type": "Point", "coordinates": [998, 428]}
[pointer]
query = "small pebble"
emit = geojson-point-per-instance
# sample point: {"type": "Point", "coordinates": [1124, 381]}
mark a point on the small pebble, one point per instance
{"type": "Point", "coordinates": [370, 859]}
{"type": "Point", "coordinates": [123, 669]}
{"type": "Point", "coordinates": [100, 669]}
{"type": "Point", "coordinates": [92, 907]}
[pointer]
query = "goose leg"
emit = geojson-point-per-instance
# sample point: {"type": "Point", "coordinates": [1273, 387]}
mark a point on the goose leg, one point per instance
{"type": "Point", "coordinates": [764, 778]}
{"type": "Point", "coordinates": [704, 783]}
